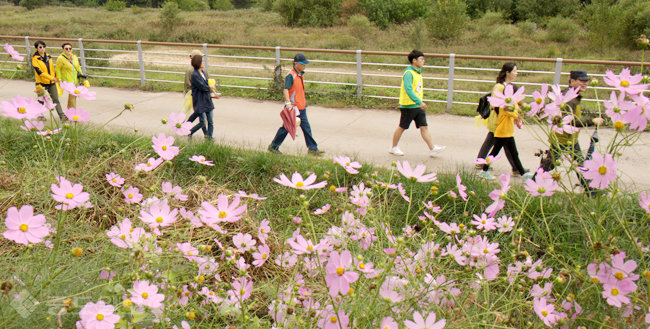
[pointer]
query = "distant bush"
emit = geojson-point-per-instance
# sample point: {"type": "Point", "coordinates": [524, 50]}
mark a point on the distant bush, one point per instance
{"type": "Point", "coordinates": [170, 15]}
{"type": "Point", "coordinates": [419, 35]}
{"type": "Point", "coordinates": [526, 27]}
{"type": "Point", "coordinates": [115, 5]}
{"type": "Point", "coordinates": [137, 10]}
{"type": "Point", "coordinates": [360, 26]}
{"type": "Point", "coordinates": [448, 19]}
{"type": "Point", "coordinates": [501, 32]}
{"type": "Point", "coordinates": [562, 29]}
{"type": "Point", "coordinates": [492, 18]}
{"type": "Point", "coordinates": [476, 8]}
{"type": "Point", "coordinates": [32, 4]}
{"type": "Point", "coordinates": [308, 12]}
{"type": "Point", "coordinates": [192, 5]}
{"type": "Point", "coordinates": [385, 12]}
{"type": "Point", "coordinates": [266, 5]}
{"type": "Point", "coordinates": [221, 5]}
{"type": "Point", "coordinates": [539, 10]}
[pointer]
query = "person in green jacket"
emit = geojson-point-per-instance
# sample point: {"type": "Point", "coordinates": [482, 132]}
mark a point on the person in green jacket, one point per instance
{"type": "Point", "coordinates": [68, 69]}
{"type": "Point", "coordinates": [412, 107]}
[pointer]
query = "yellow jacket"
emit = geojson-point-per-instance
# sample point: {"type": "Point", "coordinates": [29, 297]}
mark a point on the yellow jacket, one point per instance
{"type": "Point", "coordinates": [67, 70]}
{"type": "Point", "coordinates": [43, 69]}
{"type": "Point", "coordinates": [506, 125]}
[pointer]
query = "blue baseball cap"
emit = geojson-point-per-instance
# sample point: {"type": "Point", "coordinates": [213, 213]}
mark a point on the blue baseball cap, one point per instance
{"type": "Point", "coordinates": [300, 58]}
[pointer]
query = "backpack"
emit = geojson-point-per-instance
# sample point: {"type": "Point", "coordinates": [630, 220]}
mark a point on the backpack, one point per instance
{"type": "Point", "coordinates": [483, 107]}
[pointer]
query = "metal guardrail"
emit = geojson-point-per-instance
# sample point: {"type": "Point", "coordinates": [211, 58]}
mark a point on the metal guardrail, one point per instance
{"type": "Point", "coordinates": [366, 71]}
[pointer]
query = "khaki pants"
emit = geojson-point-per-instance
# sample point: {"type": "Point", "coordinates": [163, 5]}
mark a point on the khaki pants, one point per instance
{"type": "Point", "coordinates": [72, 101]}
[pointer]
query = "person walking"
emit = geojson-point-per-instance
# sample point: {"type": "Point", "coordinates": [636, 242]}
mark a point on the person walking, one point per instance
{"type": "Point", "coordinates": [45, 75]}
{"type": "Point", "coordinates": [188, 106]}
{"type": "Point", "coordinates": [294, 95]}
{"type": "Point", "coordinates": [504, 132]}
{"type": "Point", "coordinates": [201, 100]}
{"type": "Point", "coordinates": [68, 69]}
{"type": "Point", "coordinates": [505, 77]}
{"type": "Point", "coordinates": [412, 107]}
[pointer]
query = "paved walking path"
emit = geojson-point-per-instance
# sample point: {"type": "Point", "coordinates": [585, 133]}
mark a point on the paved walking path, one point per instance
{"type": "Point", "coordinates": [359, 133]}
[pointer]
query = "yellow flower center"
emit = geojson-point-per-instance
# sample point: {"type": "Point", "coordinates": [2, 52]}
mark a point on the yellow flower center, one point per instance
{"type": "Point", "coordinates": [485, 251]}
{"type": "Point", "coordinates": [222, 214]}
{"type": "Point", "coordinates": [347, 163]}
{"type": "Point", "coordinates": [544, 313]}
{"type": "Point", "coordinates": [541, 190]}
{"type": "Point", "coordinates": [624, 83]}
{"type": "Point", "coordinates": [483, 221]}
{"type": "Point", "coordinates": [145, 295]}
{"type": "Point", "coordinates": [340, 271]}
{"type": "Point", "coordinates": [300, 184]}
{"type": "Point", "coordinates": [164, 147]}
{"type": "Point", "coordinates": [159, 219]}
{"type": "Point", "coordinates": [488, 160]}
{"type": "Point", "coordinates": [243, 244]}
{"type": "Point", "coordinates": [262, 230]}
{"type": "Point", "coordinates": [76, 117]}
{"type": "Point", "coordinates": [69, 195]}
{"type": "Point", "coordinates": [189, 253]}
{"type": "Point", "coordinates": [130, 196]}
{"type": "Point", "coordinates": [149, 164]}
{"type": "Point", "coordinates": [24, 227]}
{"type": "Point", "coordinates": [310, 248]}
{"type": "Point", "coordinates": [333, 319]}
{"type": "Point", "coordinates": [602, 170]}
{"type": "Point", "coordinates": [508, 100]}
{"type": "Point", "coordinates": [114, 180]}
{"type": "Point", "coordinates": [77, 92]}
{"type": "Point", "coordinates": [178, 125]}
{"type": "Point", "coordinates": [614, 292]}
{"type": "Point", "coordinates": [539, 100]}
{"type": "Point", "coordinates": [618, 125]}
{"type": "Point", "coordinates": [100, 317]}
{"type": "Point", "coordinates": [595, 280]}
{"type": "Point", "coordinates": [362, 266]}
{"type": "Point", "coordinates": [201, 278]}
{"type": "Point", "coordinates": [131, 230]}
{"type": "Point", "coordinates": [242, 291]}
{"type": "Point", "coordinates": [187, 293]}
{"type": "Point", "coordinates": [264, 256]}
{"type": "Point", "coordinates": [123, 237]}
{"type": "Point", "coordinates": [619, 276]}
{"type": "Point", "coordinates": [22, 110]}
{"type": "Point", "coordinates": [332, 188]}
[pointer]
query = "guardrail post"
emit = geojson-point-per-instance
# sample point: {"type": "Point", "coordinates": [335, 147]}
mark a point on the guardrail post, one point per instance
{"type": "Point", "coordinates": [143, 79]}
{"type": "Point", "coordinates": [450, 81]}
{"type": "Point", "coordinates": [277, 72]}
{"type": "Point", "coordinates": [359, 76]}
{"type": "Point", "coordinates": [558, 71]}
{"type": "Point", "coordinates": [82, 57]}
{"type": "Point", "coordinates": [205, 57]}
{"type": "Point", "coordinates": [277, 55]}
{"type": "Point", "coordinates": [28, 57]}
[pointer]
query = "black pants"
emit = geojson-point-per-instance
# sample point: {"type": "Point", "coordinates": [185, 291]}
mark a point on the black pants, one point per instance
{"type": "Point", "coordinates": [507, 143]}
{"type": "Point", "coordinates": [575, 153]}
{"type": "Point", "coordinates": [487, 146]}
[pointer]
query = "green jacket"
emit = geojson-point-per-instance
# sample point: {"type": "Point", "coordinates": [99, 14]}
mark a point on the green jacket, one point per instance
{"type": "Point", "coordinates": [572, 108]}
{"type": "Point", "coordinates": [66, 69]}
{"type": "Point", "coordinates": [407, 82]}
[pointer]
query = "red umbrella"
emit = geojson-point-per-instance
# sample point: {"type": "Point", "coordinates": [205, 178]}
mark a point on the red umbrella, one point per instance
{"type": "Point", "coordinates": [288, 116]}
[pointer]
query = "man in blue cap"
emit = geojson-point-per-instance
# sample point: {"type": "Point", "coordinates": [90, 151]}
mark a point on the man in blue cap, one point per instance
{"type": "Point", "coordinates": [294, 95]}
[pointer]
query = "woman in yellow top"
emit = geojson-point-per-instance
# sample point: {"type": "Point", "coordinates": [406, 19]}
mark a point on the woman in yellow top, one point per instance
{"type": "Point", "coordinates": [504, 132]}
{"type": "Point", "coordinates": [68, 69]}
{"type": "Point", "coordinates": [45, 75]}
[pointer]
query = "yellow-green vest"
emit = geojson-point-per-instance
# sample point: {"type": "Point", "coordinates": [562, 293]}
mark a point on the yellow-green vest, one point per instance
{"type": "Point", "coordinates": [417, 86]}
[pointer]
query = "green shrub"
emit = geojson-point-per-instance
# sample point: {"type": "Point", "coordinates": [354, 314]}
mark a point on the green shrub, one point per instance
{"type": "Point", "coordinates": [562, 29]}
{"type": "Point", "coordinates": [526, 27]}
{"type": "Point", "coordinates": [492, 18]}
{"type": "Point", "coordinates": [221, 5]}
{"type": "Point", "coordinates": [136, 10]}
{"type": "Point", "coordinates": [115, 5]}
{"type": "Point", "coordinates": [501, 32]}
{"type": "Point", "coordinates": [476, 8]}
{"type": "Point", "coordinates": [418, 34]}
{"type": "Point", "coordinates": [539, 10]}
{"type": "Point", "coordinates": [308, 12]}
{"type": "Point", "coordinates": [448, 19]}
{"type": "Point", "coordinates": [360, 26]}
{"type": "Point", "coordinates": [266, 5]}
{"type": "Point", "coordinates": [385, 12]}
{"type": "Point", "coordinates": [170, 15]}
{"type": "Point", "coordinates": [32, 4]}
{"type": "Point", "coordinates": [192, 5]}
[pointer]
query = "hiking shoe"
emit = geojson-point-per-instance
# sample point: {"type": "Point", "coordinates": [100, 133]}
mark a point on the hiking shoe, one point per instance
{"type": "Point", "coordinates": [274, 150]}
{"type": "Point", "coordinates": [395, 150]}
{"type": "Point", "coordinates": [478, 166]}
{"type": "Point", "coordinates": [315, 152]}
{"type": "Point", "coordinates": [527, 176]}
{"type": "Point", "coordinates": [486, 175]}
{"type": "Point", "coordinates": [437, 149]}
{"type": "Point", "coordinates": [516, 173]}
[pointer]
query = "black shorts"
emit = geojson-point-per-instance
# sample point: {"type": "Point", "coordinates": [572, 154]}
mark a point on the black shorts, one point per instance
{"type": "Point", "coordinates": [418, 115]}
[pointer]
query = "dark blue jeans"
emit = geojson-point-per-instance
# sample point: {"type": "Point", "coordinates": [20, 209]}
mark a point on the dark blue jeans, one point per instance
{"type": "Point", "coordinates": [306, 130]}
{"type": "Point", "coordinates": [203, 118]}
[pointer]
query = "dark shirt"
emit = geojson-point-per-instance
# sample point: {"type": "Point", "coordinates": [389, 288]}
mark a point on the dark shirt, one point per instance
{"type": "Point", "coordinates": [201, 93]}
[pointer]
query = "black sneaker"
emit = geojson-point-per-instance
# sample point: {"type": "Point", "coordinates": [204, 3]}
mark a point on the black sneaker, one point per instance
{"type": "Point", "coordinates": [274, 150]}
{"type": "Point", "coordinates": [516, 173]}
{"type": "Point", "coordinates": [316, 152]}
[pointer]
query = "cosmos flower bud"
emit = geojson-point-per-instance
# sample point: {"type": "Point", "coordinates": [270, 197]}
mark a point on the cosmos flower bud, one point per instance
{"type": "Point", "coordinates": [128, 106]}
{"type": "Point", "coordinates": [77, 252]}
{"type": "Point", "coordinates": [593, 82]}
{"type": "Point", "coordinates": [164, 121]}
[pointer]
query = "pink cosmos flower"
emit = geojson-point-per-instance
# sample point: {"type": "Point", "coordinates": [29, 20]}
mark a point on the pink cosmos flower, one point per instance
{"type": "Point", "coordinates": [484, 223]}
{"type": "Point", "coordinates": [639, 115]}
{"type": "Point", "coordinates": [546, 312]}
{"type": "Point", "coordinates": [388, 323]}
{"type": "Point", "coordinates": [461, 187]}
{"type": "Point", "coordinates": [499, 195]}
{"type": "Point", "coordinates": [71, 196]}
{"type": "Point", "coordinates": [263, 231]}
{"type": "Point", "coordinates": [322, 210]}
{"type": "Point", "coordinates": [297, 181]}
{"type": "Point", "coordinates": [243, 242]}
{"type": "Point", "coordinates": [542, 185]}
{"type": "Point", "coordinates": [33, 125]}
{"type": "Point", "coordinates": [430, 323]}
{"type": "Point", "coordinates": [339, 276]}
{"type": "Point", "coordinates": [188, 250]}
{"type": "Point", "coordinates": [262, 255]}
{"type": "Point", "coordinates": [132, 195]}
{"type": "Point", "coordinates": [159, 214]}
{"type": "Point", "coordinates": [115, 179]}
{"type": "Point", "coordinates": [175, 191]}
{"type": "Point", "coordinates": [617, 107]}
{"type": "Point", "coordinates": [417, 174]}
{"type": "Point", "coordinates": [559, 100]}
{"type": "Point", "coordinates": [625, 82]}
{"type": "Point", "coordinates": [506, 224]}
{"type": "Point", "coordinates": [644, 201]}
{"type": "Point", "coordinates": [286, 260]}
{"type": "Point", "coordinates": [488, 160]}
{"type": "Point", "coordinates": [23, 227]}
{"type": "Point", "coordinates": [47, 132]}
{"type": "Point", "coordinates": [333, 320]}
{"type": "Point", "coordinates": [449, 229]}
{"type": "Point", "coordinates": [615, 292]}
{"type": "Point", "coordinates": [163, 145]}
{"type": "Point", "coordinates": [223, 212]}
{"type": "Point", "coordinates": [242, 289]}
{"type": "Point", "coordinates": [77, 115]}
{"type": "Point", "coordinates": [301, 245]}
{"type": "Point", "coordinates": [509, 98]}
{"type": "Point", "coordinates": [79, 91]}
{"type": "Point", "coordinates": [601, 170]}
{"type": "Point", "coordinates": [201, 159]}
{"type": "Point", "coordinates": [146, 294]}
{"type": "Point", "coordinates": [562, 125]}
{"type": "Point", "coordinates": [150, 165]}
{"type": "Point", "coordinates": [13, 53]}
{"type": "Point", "coordinates": [47, 102]}
{"type": "Point", "coordinates": [539, 100]}
{"type": "Point", "coordinates": [98, 316]}
{"type": "Point", "coordinates": [22, 108]}
{"type": "Point", "coordinates": [178, 125]}
{"type": "Point", "coordinates": [350, 167]}
{"type": "Point", "coordinates": [123, 235]}
{"type": "Point", "coordinates": [194, 220]}
{"type": "Point", "coordinates": [253, 196]}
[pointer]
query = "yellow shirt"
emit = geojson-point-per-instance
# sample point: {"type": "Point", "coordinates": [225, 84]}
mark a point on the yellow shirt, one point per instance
{"type": "Point", "coordinates": [506, 120]}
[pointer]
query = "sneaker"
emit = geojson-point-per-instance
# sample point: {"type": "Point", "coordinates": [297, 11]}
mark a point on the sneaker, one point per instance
{"type": "Point", "coordinates": [437, 149]}
{"type": "Point", "coordinates": [486, 175]}
{"type": "Point", "coordinates": [274, 150]}
{"type": "Point", "coordinates": [527, 176]}
{"type": "Point", "coordinates": [395, 150]}
{"type": "Point", "coordinates": [516, 173]}
{"type": "Point", "coordinates": [478, 167]}
{"type": "Point", "coordinates": [316, 152]}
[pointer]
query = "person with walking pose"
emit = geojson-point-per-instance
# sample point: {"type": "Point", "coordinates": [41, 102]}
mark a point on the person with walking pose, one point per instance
{"type": "Point", "coordinates": [69, 70]}
{"type": "Point", "coordinates": [45, 75]}
{"type": "Point", "coordinates": [201, 100]}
